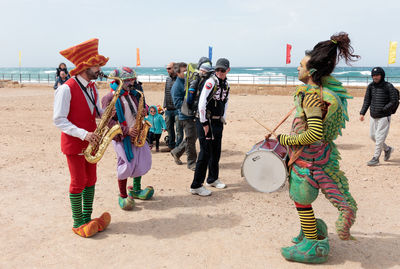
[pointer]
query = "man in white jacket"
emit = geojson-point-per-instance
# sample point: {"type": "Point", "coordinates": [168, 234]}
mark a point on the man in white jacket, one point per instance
{"type": "Point", "coordinates": [213, 103]}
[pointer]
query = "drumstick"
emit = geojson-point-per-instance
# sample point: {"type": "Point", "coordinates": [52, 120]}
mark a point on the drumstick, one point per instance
{"type": "Point", "coordinates": [285, 118]}
{"type": "Point", "coordinates": [266, 128]}
{"type": "Point", "coordinates": [280, 123]}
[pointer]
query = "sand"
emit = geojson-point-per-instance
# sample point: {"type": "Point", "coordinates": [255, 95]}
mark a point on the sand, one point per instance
{"type": "Point", "coordinates": [237, 227]}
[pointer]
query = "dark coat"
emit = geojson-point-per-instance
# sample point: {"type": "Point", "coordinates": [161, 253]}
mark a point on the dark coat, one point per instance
{"type": "Point", "coordinates": [168, 102]}
{"type": "Point", "coordinates": [380, 98]}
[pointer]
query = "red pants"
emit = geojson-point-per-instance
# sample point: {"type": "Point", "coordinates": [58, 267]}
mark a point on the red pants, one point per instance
{"type": "Point", "coordinates": [83, 174]}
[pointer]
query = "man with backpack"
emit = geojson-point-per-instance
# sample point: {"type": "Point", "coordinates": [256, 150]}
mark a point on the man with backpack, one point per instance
{"type": "Point", "coordinates": [382, 98]}
{"type": "Point", "coordinates": [187, 123]}
{"type": "Point", "coordinates": [210, 122]}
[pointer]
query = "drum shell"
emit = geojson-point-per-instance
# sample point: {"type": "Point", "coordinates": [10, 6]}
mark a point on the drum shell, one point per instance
{"type": "Point", "coordinates": [264, 166]}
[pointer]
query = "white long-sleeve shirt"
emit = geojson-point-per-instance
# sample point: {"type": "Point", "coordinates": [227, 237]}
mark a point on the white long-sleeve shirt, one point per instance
{"type": "Point", "coordinates": [62, 100]}
{"type": "Point", "coordinates": [207, 89]}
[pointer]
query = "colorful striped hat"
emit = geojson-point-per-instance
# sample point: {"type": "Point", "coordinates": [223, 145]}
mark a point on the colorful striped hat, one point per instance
{"type": "Point", "coordinates": [124, 73]}
{"type": "Point", "coordinates": [84, 56]}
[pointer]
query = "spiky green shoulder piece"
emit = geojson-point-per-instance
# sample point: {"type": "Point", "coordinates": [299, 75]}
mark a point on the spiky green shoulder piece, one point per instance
{"type": "Point", "coordinates": [299, 95]}
{"type": "Point", "coordinates": [335, 96]}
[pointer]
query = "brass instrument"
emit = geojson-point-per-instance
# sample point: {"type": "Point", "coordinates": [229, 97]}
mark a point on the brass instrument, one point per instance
{"type": "Point", "coordinates": [92, 153]}
{"type": "Point", "coordinates": [142, 126]}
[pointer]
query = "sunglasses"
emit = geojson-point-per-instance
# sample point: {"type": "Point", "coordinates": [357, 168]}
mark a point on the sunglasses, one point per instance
{"type": "Point", "coordinates": [220, 70]}
{"type": "Point", "coordinates": [169, 68]}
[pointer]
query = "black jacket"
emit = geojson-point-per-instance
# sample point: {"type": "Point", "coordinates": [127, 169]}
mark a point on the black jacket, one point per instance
{"type": "Point", "coordinates": [168, 102]}
{"type": "Point", "coordinates": [380, 99]}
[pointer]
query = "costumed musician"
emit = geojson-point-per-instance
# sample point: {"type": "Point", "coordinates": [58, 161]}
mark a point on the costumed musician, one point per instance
{"type": "Point", "coordinates": [321, 113]}
{"type": "Point", "coordinates": [132, 161]}
{"type": "Point", "coordinates": [76, 105]}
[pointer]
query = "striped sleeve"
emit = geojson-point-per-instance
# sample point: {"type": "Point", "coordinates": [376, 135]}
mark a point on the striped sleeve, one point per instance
{"type": "Point", "coordinates": [312, 109]}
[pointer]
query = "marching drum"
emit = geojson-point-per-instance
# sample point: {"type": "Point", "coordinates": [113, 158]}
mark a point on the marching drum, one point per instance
{"type": "Point", "coordinates": [264, 166]}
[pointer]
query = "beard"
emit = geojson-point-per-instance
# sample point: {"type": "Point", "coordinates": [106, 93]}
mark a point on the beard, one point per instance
{"type": "Point", "coordinates": [91, 74]}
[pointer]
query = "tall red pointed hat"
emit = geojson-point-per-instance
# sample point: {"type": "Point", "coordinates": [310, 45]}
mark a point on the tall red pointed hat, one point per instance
{"type": "Point", "coordinates": [84, 56]}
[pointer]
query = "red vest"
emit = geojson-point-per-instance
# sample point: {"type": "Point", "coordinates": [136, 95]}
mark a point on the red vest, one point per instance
{"type": "Point", "coordinates": [79, 115]}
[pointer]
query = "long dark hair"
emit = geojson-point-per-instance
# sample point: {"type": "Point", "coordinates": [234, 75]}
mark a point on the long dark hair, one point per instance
{"type": "Point", "coordinates": [326, 54]}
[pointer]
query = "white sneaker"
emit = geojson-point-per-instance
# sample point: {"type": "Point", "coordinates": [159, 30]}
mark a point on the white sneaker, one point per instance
{"type": "Point", "coordinates": [202, 191]}
{"type": "Point", "coordinates": [217, 184]}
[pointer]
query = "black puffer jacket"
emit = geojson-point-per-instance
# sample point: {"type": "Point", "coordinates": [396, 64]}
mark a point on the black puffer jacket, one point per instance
{"type": "Point", "coordinates": [379, 98]}
{"type": "Point", "coordinates": [168, 103]}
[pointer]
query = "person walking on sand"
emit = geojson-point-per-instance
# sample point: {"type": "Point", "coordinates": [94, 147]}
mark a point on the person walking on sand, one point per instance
{"type": "Point", "coordinates": [76, 106]}
{"type": "Point", "coordinates": [212, 106]}
{"type": "Point", "coordinates": [132, 161]}
{"type": "Point", "coordinates": [171, 113]}
{"type": "Point", "coordinates": [321, 114]}
{"type": "Point", "coordinates": [382, 100]}
{"type": "Point", "coordinates": [187, 122]}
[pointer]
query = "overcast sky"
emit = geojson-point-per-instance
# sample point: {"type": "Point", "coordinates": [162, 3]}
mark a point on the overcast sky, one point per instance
{"type": "Point", "coordinates": [248, 33]}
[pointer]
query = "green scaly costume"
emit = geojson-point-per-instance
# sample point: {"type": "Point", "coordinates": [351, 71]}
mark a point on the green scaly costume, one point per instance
{"type": "Point", "coordinates": [317, 167]}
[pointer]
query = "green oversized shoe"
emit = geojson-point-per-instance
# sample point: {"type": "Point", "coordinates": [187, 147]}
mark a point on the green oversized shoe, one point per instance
{"type": "Point", "coordinates": [145, 194]}
{"type": "Point", "coordinates": [126, 203]}
{"type": "Point", "coordinates": [322, 232]}
{"type": "Point", "coordinates": [308, 251]}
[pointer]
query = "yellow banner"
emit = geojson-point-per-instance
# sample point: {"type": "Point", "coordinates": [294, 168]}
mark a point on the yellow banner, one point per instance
{"type": "Point", "coordinates": [392, 52]}
{"type": "Point", "coordinates": [20, 53]}
{"type": "Point", "coordinates": [137, 57]}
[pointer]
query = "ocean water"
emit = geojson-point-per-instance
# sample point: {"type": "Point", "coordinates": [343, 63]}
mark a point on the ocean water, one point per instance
{"type": "Point", "coordinates": [241, 75]}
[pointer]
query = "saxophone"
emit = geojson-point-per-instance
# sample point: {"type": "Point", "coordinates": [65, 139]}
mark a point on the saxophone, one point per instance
{"type": "Point", "coordinates": [93, 153]}
{"type": "Point", "coordinates": [141, 125]}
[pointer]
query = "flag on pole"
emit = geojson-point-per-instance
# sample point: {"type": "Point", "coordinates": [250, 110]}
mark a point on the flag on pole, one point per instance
{"type": "Point", "coordinates": [392, 52]}
{"type": "Point", "coordinates": [288, 50]}
{"type": "Point", "coordinates": [20, 53]}
{"type": "Point", "coordinates": [210, 53]}
{"type": "Point", "coordinates": [137, 57]}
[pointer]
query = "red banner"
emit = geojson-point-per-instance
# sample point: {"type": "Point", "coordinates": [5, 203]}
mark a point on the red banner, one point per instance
{"type": "Point", "coordinates": [288, 50]}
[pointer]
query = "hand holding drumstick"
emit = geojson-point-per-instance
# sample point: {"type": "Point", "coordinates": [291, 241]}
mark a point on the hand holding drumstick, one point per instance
{"type": "Point", "coordinates": [266, 128]}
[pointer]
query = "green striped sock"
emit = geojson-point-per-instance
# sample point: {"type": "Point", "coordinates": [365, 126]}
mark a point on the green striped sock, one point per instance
{"type": "Point", "coordinates": [76, 206]}
{"type": "Point", "coordinates": [136, 183]}
{"type": "Point", "coordinates": [88, 196]}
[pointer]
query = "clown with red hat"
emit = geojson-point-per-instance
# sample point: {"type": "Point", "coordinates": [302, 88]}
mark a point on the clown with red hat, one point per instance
{"type": "Point", "coordinates": [76, 106]}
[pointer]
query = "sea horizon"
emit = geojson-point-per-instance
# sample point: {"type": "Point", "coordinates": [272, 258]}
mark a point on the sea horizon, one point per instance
{"type": "Point", "coordinates": [348, 75]}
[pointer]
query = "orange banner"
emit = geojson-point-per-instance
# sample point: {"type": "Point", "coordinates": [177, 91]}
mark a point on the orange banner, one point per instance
{"type": "Point", "coordinates": [137, 57]}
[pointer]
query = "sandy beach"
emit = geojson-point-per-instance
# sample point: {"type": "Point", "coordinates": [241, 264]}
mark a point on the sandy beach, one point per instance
{"type": "Point", "coordinates": [236, 227]}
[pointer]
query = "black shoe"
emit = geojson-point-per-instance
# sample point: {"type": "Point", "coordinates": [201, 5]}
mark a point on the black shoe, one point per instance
{"type": "Point", "coordinates": [388, 153]}
{"type": "Point", "coordinates": [373, 162]}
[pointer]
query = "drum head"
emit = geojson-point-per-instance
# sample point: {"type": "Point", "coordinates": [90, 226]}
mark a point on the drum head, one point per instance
{"type": "Point", "coordinates": [264, 171]}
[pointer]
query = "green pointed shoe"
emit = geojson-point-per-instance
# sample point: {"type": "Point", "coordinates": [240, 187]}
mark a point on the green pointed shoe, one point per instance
{"type": "Point", "coordinates": [126, 203]}
{"type": "Point", "coordinates": [145, 194]}
{"type": "Point", "coordinates": [322, 231]}
{"type": "Point", "coordinates": [308, 251]}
